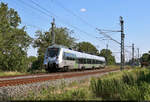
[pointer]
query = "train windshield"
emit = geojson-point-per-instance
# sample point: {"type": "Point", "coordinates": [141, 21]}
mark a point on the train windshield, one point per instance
{"type": "Point", "coordinates": [52, 52]}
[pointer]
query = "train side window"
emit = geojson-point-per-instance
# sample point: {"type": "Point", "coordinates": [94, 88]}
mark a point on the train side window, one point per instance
{"type": "Point", "coordinates": [97, 62]}
{"type": "Point", "coordinates": [84, 61]}
{"type": "Point", "coordinates": [101, 62]}
{"type": "Point", "coordinates": [64, 56]}
{"type": "Point", "coordinates": [68, 56]}
{"type": "Point", "coordinates": [93, 61]}
{"type": "Point", "coordinates": [80, 61]}
{"type": "Point", "coordinates": [89, 61]}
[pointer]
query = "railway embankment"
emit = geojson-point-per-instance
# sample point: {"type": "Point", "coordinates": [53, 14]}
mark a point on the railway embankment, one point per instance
{"type": "Point", "coordinates": [35, 90]}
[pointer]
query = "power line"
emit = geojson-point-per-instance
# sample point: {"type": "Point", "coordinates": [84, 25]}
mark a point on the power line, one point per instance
{"type": "Point", "coordinates": [74, 15]}
{"type": "Point", "coordinates": [71, 12]}
{"type": "Point", "coordinates": [103, 33]}
{"type": "Point", "coordinates": [55, 16]}
{"type": "Point", "coordinates": [59, 18]}
{"type": "Point", "coordinates": [34, 8]}
{"type": "Point", "coordinates": [88, 34]}
{"type": "Point", "coordinates": [42, 8]}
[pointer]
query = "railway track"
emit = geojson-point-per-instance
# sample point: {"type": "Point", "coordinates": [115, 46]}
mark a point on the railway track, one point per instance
{"type": "Point", "coordinates": [26, 79]}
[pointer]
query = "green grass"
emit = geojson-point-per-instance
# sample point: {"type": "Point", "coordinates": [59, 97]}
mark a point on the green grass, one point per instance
{"type": "Point", "coordinates": [132, 85]}
{"type": "Point", "coordinates": [11, 73]}
{"type": "Point", "coordinates": [117, 66]}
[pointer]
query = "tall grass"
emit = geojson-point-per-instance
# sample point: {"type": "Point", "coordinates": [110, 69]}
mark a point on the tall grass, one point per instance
{"type": "Point", "coordinates": [128, 86]}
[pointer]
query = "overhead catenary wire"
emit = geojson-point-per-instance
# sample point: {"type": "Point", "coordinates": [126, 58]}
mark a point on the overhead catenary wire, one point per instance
{"type": "Point", "coordinates": [81, 19]}
{"type": "Point", "coordinates": [103, 33]}
{"type": "Point", "coordinates": [54, 15]}
{"type": "Point", "coordinates": [37, 9]}
{"type": "Point", "coordinates": [63, 20]}
{"type": "Point", "coordinates": [74, 14]}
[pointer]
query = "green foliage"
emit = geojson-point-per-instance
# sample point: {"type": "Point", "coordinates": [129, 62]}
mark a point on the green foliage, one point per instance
{"type": "Point", "coordinates": [62, 37]}
{"type": "Point", "coordinates": [133, 85]}
{"type": "Point", "coordinates": [145, 57]}
{"type": "Point", "coordinates": [110, 59]}
{"type": "Point", "coordinates": [33, 63]}
{"type": "Point", "coordinates": [87, 48]}
{"type": "Point", "coordinates": [13, 41]}
{"type": "Point", "coordinates": [32, 58]}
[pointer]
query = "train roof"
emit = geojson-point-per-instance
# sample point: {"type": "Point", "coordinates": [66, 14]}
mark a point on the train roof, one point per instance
{"type": "Point", "coordinates": [79, 54]}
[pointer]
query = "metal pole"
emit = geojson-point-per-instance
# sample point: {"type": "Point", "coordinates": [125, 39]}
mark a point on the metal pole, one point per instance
{"type": "Point", "coordinates": [106, 54]}
{"type": "Point", "coordinates": [138, 56]}
{"type": "Point", "coordinates": [132, 54]}
{"type": "Point", "coordinates": [53, 34]}
{"type": "Point", "coordinates": [138, 53]}
{"type": "Point", "coordinates": [122, 43]}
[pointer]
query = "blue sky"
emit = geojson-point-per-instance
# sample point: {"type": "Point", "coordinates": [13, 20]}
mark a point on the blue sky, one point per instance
{"type": "Point", "coordinates": [103, 14]}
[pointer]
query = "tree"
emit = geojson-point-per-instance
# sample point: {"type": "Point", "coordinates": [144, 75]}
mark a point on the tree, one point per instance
{"type": "Point", "coordinates": [87, 48]}
{"type": "Point", "coordinates": [145, 57]}
{"type": "Point", "coordinates": [32, 58]}
{"type": "Point", "coordinates": [108, 56]}
{"type": "Point", "coordinates": [13, 41]}
{"type": "Point", "coordinates": [32, 62]}
{"type": "Point", "coordinates": [62, 37]}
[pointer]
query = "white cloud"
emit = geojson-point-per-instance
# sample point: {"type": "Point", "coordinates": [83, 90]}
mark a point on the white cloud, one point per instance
{"type": "Point", "coordinates": [83, 10]}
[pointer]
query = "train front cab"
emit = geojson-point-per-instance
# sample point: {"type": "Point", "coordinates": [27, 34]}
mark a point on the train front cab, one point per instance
{"type": "Point", "coordinates": [52, 59]}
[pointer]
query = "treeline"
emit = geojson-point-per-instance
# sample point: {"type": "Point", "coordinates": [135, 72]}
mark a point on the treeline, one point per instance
{"type": "Point", "coordinates": [15, 41]}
